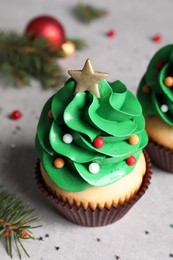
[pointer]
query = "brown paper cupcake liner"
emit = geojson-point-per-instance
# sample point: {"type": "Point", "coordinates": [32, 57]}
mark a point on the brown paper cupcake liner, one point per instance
{"type": "Point", "coordinates": [160, 155]}
{"type": "Point", "coordinates": [98, 217]}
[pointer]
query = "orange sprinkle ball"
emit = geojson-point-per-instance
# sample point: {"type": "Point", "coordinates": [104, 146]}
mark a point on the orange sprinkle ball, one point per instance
{"type": "Point", "coordinates": [133, 139]}
{"type": "Point", "coordinates": [168, 81]}
{"type": "Point", "coordinates": [146, 89]}
{"type": "Point", "coordinates": [59, 163]}
{"type": "Point", "coordinates": [50, 114]}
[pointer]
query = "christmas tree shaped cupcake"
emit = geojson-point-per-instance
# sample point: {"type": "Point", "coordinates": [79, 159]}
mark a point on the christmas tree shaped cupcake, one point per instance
{"type": "Point", "coordinates": [90, 140]}
{"type": "Point", "coordinates": [155, 94]}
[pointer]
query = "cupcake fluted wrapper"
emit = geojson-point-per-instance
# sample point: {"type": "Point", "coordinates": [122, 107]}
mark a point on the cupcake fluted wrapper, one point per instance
{"type": "Point", "coordinates": [160, 156]}
{"type": "Point", "coordinates": [97, 217]}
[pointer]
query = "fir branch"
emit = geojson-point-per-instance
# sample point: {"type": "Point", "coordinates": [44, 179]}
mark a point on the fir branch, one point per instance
{"type": "Point", "coordinates": [22, 59]}
{"type": "Point", "coordinates": [87, 13]}
{"type": "Point", "coordinates": [79, 43]}
{"type": "Point", "coordinates": [15, 222]}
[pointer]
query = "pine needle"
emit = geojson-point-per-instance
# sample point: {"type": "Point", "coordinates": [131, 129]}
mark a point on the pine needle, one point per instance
{"type": "Point", "coordinates": [87, 13]}
{"type": "Point", "coordinates": [15, 222]}
{"type": "Point", "coordinates": [79, 43]}
{"type": "Point", "coordinates": [22, 59]}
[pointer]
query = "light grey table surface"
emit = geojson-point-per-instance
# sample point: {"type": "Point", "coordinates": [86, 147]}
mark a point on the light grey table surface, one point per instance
{"type": "Point", "coordinates": [124, 57]}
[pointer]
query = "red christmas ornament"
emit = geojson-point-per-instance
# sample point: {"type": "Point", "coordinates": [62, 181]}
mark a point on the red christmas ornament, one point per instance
{"type": "Point", "coordinates": [98, 142]}
{"type": "Point", "coordinates": [131, 160]}
{"type": "Point", "coordinates": [48, 28]}
{"type": "Point", "coordinates": [15, 115]}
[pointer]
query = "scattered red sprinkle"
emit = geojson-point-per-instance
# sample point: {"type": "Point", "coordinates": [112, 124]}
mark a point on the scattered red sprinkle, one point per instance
{"type": "Point", "coordinates": [160, 64]}
{"type": "Point", "coordinates": [111, 33]}
{"type": "Point", "coordinates": [131, 160]}
{"type": "Point", "coordinates": [98, 142]}
{"type": "Point", "coordinates": [157, 38]}
{"type": "Point", "coordinates": [15, 115]}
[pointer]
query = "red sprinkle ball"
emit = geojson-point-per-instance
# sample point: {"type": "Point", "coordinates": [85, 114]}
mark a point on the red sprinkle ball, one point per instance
{"type": "Point", "coordinates": [15, 115]}
{"type": "Point", "coordinates": [111, 33]}
{"type": "Point", "coordinates": [131, 160]}
{"type": "Point", "coordinates": [157, 38]}
{"type": "Point", "coordinates": [160, 64]}
{"type": "Point", "coordinates": [98, 142]}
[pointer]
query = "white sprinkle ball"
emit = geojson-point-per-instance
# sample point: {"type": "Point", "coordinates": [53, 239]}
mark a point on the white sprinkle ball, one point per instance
{"type": "Point", "coordinates": [164, 108]}
{"type": "Point", "coordinates": [94, 168]}
{"type": "Point", "coordinates": [67, 138]}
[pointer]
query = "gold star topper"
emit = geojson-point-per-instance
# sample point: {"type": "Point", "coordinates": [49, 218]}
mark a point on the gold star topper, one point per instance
{"type": "Point", "coordinates": [87, 79]}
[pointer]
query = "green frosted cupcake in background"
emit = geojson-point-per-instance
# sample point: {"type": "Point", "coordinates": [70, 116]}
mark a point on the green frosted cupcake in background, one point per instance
{"type": "Point", "coordinates": [155, 93]}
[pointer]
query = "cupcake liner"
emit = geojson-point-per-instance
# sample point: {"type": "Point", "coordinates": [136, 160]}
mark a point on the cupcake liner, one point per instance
{"type": "Point", "coordinates": [98, 217]}
{"type": "Point", "coordinates": [160, 155]}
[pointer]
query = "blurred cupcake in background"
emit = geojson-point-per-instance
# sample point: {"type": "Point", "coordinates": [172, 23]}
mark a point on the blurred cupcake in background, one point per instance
{"type": "Point", "coordinates": [155, 93]}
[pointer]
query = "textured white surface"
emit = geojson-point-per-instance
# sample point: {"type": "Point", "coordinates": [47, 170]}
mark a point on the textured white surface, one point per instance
{"type": "Point", "coordinates": [124, 57]}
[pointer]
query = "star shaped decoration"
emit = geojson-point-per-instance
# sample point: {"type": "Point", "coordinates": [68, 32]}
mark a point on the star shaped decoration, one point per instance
{"type": "Point", "coordinates": [87, 79]}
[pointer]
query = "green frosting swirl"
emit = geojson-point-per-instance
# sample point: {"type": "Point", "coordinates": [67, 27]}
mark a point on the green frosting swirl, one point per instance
{"type": "Point", "coordinates": [114, 117]}
{"type": "Point", "coordinates": [160, 67]}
